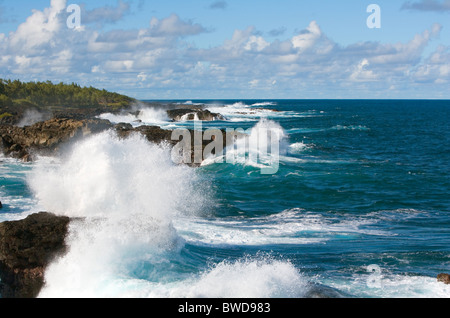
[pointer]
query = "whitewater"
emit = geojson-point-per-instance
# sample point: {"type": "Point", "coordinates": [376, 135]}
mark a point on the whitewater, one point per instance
{"type": "Point", "coordinates": [358, 206]}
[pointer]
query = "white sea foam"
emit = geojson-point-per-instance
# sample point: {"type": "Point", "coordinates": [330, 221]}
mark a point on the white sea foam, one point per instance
{"type": "Point", "coordinates": [350, 127]}
{"type": "Point", "coordinates": [138, 117]}
{"type": "Point", "coordinates": [299, 147]}
{"type": "Point", "coordinates": [263, 104]}
{"type": "Point", "coordinates": [128, 192]}
{"type": "Point", "coordinates": [293, 226]}
{"type": "Point", "coordinates": [189, 102]}
{"type": "Point", "coordinates": [389, 285]}
{"type": "Point", "coordinates": [260, 148]}
{"type": "Point", "coordinates": [131, 200]}
{"type": "Point", "coordinates": [245, 278]}
{"type": "Point", "coordinates": [337, 127]}
{"type": "Point", "coordinates": [248, 277]}
{"type": "Point", "coordinates": [242, 112]}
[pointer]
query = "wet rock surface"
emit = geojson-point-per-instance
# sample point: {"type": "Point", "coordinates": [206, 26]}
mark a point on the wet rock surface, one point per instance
{"type": "Point", "coordinates": [444, 278]}
{"type": "Point", "coordinates": [26, 248]}
{"type": "Point", "coordinates": [193, 114]}
{"type": "Point", "coordinates": [45, 137]}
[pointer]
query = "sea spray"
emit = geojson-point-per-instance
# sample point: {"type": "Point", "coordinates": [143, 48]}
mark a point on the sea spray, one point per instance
{"type": "Point", "coordinates": [259, 276]}
{"type": "Point", "coordinates": [32, 116]}
{"type": "Point", "coordinates": [138, 115]}
{"type": "Point", "coordinates": [260, 147]}
{"type": "Point", "coordinates": [255, 278]}
{"type": "Point", "coordinates": [125, 194]}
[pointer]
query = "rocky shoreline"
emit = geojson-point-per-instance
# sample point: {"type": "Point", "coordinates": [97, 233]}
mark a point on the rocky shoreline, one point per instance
{"type": "Point", "coordinates": [28, 246]}
{"type": "Point", "coordinates": [49, 137]}
{"type": "Point", "coordinates": [46, 137]}
{"type": "Point", "coordinates": [26, 249]}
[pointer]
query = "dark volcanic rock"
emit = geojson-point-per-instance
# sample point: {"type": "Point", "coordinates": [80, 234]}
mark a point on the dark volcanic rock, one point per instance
{"type": "Point", "coordinates": [26, 248]}
{"type": "Point", "coordinates": [153, 134]}
{"type": "Point", "coordinates": [444, 278]}
{"type": "Point", "coordinates": [191, 114]}
{"type": "Point", "coordinates": [47, 136]}
{"type": "Point", "coordinates": [158, 135]}
{"type": "Point", "coordinates": [322, 291]}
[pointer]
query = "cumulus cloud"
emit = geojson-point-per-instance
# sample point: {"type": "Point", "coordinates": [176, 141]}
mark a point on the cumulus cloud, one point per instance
{"type": "Point", "coordinates": [39, 30]}
{"type": "Point", "coordinates": [174, 26]}
{"type": "Point", "coordinates": [436, 68]}
{"type": "Point", "coordinates": [158, 58]}
{"type": "Point", "coordinates": [310, 58]}
{"type": "Point", "coordinates": [44, 46]}
{"type": "Point", "coordinates": [427, 5]}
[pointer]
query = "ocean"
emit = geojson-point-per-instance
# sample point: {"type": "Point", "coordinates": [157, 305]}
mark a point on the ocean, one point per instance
{"type": "Point", "coordinates": [358, 206]}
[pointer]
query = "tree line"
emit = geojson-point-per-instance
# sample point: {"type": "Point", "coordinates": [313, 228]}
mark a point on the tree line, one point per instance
{"type": "Point", "coordinates": [41, 94]}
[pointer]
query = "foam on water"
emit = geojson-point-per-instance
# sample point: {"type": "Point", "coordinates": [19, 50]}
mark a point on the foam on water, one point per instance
{"type": "Point", "coordinates": [240, 111]}
{"type": "Point", "coordinates": [130, 201]}
{"type": "Point", "coordinates": [299, 147]}
{"type": "Point", "coordinates": [350, 127]}
{"type": "Point", "coordinates": [293, 226]}
{"type": "Point", "coordinates": [128, 192]}
{"type": "Point", "coordinates": [248, 277]}
{"type": "Point", "coordinates": [390, 285]}
{"type": "Point", "coordinates": [260, 148]}
{"type": "Point", "coordinates": [263, 104]}
{"type": "Point", "coordinates": [244, 278]}
{"type": "Point", "coordinates": [326, 216]}
{"type": "Point", "coordinates": [189, 102]}
{"type": "Point", "coordinates": [105, 175]}
{"type": "Point", "coordinates": [142, 116]}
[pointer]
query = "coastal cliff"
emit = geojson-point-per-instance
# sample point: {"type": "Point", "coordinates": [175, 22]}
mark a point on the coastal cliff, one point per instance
{"type": "Point", "coordinates": [46, 137]}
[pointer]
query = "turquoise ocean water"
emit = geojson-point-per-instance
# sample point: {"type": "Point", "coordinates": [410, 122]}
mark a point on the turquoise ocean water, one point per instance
{"type": "Point", "coordinates": [360, 206]}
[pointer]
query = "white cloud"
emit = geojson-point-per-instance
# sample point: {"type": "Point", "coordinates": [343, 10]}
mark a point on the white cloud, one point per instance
{"type": "Point", "coordinates": [256, 43]}
{"type": "Point", "coordinates": [406, 53]}
{"type": "Point", "coordinates": [157, 56]}
{"type": "Point", "coordinates": [436, 68]}
{"type": "Point", "coordinates": [173, 26]}
{"type": "Point", "coordinates": [307, 38]}
{"type": "Point", "coordinates": [362, 73]}
{"type": "Point", "coordinates": [39, 29]}
{"type": "Point", "coordinates": [253, 83]}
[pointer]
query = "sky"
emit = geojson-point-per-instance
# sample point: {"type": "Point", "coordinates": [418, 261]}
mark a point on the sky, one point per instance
{"type": "Point", "coordinates": [232, 49]}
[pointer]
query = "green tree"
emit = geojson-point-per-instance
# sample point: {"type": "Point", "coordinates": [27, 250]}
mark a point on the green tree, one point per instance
{"type": "Point", "coordinates": [45, 94]}
{"type": "Point", "coordinates": [5, 101]}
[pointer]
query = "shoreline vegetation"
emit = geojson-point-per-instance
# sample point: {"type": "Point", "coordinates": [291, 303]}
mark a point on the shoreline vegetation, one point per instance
{"type": "Point", "coordinates": [40, 117]}
{"type": "Point", "coordinates": [18, 97]}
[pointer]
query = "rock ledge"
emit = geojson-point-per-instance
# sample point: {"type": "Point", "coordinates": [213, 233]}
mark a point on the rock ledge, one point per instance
{"type": "Point", "coordinates": [26, 248]}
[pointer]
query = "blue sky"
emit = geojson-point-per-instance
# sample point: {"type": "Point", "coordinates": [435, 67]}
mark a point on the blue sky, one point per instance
{"type": "Point", "coordinates": [208, 49]}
